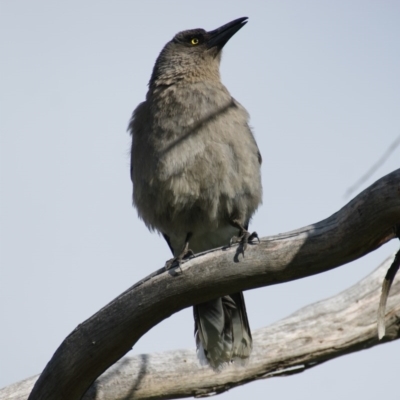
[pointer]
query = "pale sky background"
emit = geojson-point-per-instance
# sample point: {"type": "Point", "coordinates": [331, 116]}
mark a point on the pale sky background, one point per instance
{"type": "Point", "coordinates": [321, 81]}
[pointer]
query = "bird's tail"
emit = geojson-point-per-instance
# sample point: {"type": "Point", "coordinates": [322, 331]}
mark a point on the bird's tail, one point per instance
{"type": "Point", "coordinates": [222, 331]}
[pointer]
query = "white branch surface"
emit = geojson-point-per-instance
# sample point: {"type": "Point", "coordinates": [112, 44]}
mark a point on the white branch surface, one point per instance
{"type": "Point", "coordinates": [364, 224]}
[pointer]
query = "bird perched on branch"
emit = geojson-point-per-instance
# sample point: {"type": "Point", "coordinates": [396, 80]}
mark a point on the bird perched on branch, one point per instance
{"type": "Point", "coordinates": [195, 168]}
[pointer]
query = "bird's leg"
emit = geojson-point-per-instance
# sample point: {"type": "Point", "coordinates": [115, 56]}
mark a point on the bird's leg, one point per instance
{"type": "Point", "coordinates": [244, 237]}
{"type": "Point", "coordinates": [185, 253]}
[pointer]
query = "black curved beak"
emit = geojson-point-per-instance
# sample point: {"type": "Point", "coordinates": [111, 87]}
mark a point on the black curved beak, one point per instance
{"type": "Point", "coordinates": [220, 36]}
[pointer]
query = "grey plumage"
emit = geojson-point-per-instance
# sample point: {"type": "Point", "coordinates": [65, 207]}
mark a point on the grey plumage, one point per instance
{"type": "Point", "coordinates": [195, 168]}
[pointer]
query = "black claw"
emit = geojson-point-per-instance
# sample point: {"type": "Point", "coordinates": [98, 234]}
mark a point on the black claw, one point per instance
{"type": "Point", "coordinates": [176, 261]}
{"type": "Point", "coordinates": [253, 236]}
{"type": "Point", "coordinates": [244, 240]}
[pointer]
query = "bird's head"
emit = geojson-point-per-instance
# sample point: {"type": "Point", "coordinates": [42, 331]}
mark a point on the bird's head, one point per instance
{"type": "Point", "coordinates": [193, 55]}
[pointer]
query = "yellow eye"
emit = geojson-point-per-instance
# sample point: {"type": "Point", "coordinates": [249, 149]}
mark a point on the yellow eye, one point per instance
{"type": "Point", "coordinates": [194, 41]}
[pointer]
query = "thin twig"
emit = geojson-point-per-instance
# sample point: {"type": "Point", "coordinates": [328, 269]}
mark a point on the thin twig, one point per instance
{"type": "Point", "coordinates": [373, 169]}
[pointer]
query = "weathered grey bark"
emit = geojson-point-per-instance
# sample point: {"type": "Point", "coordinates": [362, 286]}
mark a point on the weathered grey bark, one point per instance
{"type": "Point", "coordinates": [331, 328]}
{"type": "Point", "coordinates": [387, 283]}
{"type": "Point", "coordinates": [361, 226]}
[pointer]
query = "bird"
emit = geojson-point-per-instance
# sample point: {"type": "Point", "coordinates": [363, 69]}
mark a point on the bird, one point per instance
{"type": "Point", "coordinates": [196, 174]}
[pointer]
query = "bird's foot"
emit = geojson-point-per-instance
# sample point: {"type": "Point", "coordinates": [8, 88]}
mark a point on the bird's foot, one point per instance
{"type": "Point", "coordinates": [245, 238]}
{"type": "Point", "coordinates": [176, 261]}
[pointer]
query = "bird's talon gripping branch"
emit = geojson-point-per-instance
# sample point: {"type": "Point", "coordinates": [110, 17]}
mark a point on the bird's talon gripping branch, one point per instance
{"type": "Point", "coordinates": [176, 261]}
{"type": "Point", "coordinates": [173, 262]}
{"type": "Point", "coordinates": [244, 238]}
{"type": "Point", "coordinates": [253, 236]}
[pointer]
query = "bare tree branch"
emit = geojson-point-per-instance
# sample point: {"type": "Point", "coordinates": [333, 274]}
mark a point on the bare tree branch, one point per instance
{"type": "Point", "coordinates": [364, 224]}
{"type": "Point", "coordinates": [387, 283]}
{"type": "Point", "coordinates": [322, 331]}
